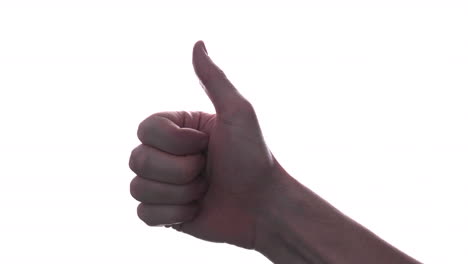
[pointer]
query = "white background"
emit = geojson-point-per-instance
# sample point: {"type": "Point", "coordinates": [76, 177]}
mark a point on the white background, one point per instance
{"type": "Point", "coordinates": [365, 102]}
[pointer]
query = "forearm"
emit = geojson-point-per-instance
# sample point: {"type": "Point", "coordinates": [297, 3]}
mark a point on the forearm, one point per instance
{"type": "Point", "coordinates": [298, 226]}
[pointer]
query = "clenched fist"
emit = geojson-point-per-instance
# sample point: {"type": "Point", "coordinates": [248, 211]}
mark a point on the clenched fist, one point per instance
{"type": "Point", "coordinates": [208, 175]}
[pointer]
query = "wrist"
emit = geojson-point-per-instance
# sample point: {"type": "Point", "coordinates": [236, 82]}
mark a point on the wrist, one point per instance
{"type": "Point", "coordinates": [298, 226]}
{"type": "Point", "coordinates": [291, 225]}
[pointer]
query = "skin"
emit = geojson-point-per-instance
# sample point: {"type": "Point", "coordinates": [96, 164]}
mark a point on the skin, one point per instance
{"type": "Point", "coordinates": [212, 176]}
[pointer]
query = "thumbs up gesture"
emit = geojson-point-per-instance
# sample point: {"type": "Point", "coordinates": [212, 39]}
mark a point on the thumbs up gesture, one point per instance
{"type": "Point", "coordinates": [207, 175]}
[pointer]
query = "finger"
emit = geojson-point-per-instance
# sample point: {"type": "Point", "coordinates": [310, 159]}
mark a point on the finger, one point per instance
{"type": "Point", "coordinates": [165, 131]}
{"type": "Point", "coordinates": [224, 96]}
{"type": "Point", "coordinates": [156, 215]}
{"type": "Point", "coordinates": [153, 164]}
{"type": "Point", "coordinates": [153, 192]}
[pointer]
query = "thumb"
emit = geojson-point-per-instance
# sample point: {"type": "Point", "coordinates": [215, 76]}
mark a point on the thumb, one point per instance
{"type": "Point", "coordinates": [227, 101]}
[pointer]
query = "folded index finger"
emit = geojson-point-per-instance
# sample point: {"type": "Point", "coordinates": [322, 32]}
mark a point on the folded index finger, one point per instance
{"type": "Point", "coordinates": [165, 132]}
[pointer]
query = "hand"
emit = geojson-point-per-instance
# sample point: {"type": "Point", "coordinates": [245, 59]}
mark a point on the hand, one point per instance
{"type": "Point", "coordinates": [208, 174]}
{"type": "Point", "coordinates": [213, 177]}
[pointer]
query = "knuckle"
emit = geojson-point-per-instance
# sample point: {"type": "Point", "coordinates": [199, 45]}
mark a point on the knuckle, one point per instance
{"type": "Point", "coordinates": [141, 131]}
{"type": "Point", "coordinates": [142, 213]}
{"type": "Point", "coordinates": [132, 161]}
{"type": "Point", "coordinates": [134, 188]}
{"type": "Point", "coordinates": [144, 128]}
{"type": "Point", "coordinates": [242, 109]}
{"type": "Point", "coordinates": [135, 162]}
{"type": "Point", "coordinates": [246, 107]}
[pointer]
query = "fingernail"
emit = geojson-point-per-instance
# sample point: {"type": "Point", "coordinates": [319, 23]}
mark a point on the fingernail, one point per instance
{"type": "Point", "coordinates": [204, 47]}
